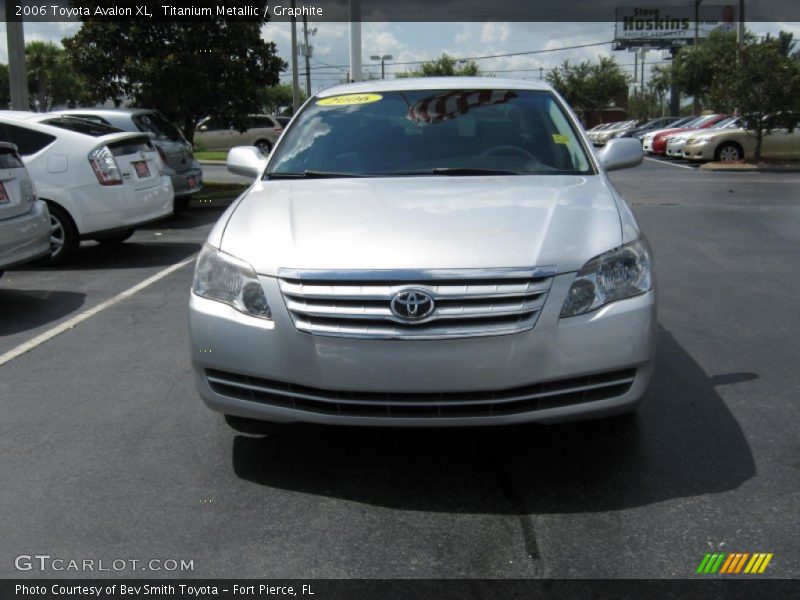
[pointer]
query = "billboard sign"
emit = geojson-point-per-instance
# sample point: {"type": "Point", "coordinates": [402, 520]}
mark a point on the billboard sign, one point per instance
{"type": "Point", "coordinates": [671, 25]}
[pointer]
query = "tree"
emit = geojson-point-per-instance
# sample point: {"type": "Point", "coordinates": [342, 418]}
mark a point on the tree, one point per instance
{"type": "Point", "coordinates": [444, 66]}
{"type": "Point", "coordinates": [187, 70]}
{"type": "Point", "coordinates": [694, 67]}
{"type": "Point", "coordinates": [51, 79]}
{"type": "Point", "coordinates": [277, 99]}
{"type": "Point", "coordinates": [589, 87]}
{"type": "Point", "coordinates": [764, 88]}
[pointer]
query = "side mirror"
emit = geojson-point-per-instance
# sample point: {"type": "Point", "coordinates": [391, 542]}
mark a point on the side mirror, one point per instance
{"type": "Point", "coordinates": [621, 153]}
{"type": "Point", "coordinates": [246, 161]}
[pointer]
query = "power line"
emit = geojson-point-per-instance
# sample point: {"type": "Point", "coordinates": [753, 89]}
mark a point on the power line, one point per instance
{"type": "Point", "coordinates": [486, 57]}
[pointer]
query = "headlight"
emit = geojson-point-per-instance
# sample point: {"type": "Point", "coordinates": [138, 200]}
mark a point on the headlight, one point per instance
{"type": "Point", "coordinates": [621, 273]}
{"type": "Point", "coordinates": [704, 140]}
{"type": "Point", "coordinates": [221, 277]}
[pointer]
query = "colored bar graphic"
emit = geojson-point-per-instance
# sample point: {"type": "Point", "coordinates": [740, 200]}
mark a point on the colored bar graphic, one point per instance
{"type": "Point", "coordinates": [734, 562]}
{"type": "Point", "coordinates": [726, 567]}
{"type": "Point", "coordinates": [741, 562]}
{"type": "Point", "coordinates": [754, 563]}
{"type": "Point", "coordinates": [703, 563]}
{"type": "Point", "coordinates": [718, 563]}
{"type": "Point", "coordinates": [765, 563]}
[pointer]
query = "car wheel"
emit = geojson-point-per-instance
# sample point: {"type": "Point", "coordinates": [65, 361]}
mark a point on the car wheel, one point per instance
{"type": "Point", "coordinates": [115, 238]}
{"type": "Point", "coordinates": [64, 239]}
{"type": "Point", "coordinates": [264, 147]}
{"type": "Point", "coordinates": [729, 152]}
{"type": "Point", "coordinates": [252, 426]}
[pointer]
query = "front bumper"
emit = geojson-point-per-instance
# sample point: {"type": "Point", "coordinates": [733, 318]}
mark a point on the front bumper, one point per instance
{"type": "Point", "coordinates": [675, 149]}
{"type": "Point", "coordinates": [698, 152]}
{"type": "Point", "coordinates": [618, 337]}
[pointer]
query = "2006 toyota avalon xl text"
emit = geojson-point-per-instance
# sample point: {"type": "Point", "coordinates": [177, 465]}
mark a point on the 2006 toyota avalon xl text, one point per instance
{"type": "Point", "coordinates": [437, 252]}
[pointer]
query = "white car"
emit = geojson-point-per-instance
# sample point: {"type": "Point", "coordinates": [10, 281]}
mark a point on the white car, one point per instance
{"type": "Point", "coordinates": [24, 222]}
{"type": "Point", "coordinates": [98, 182]}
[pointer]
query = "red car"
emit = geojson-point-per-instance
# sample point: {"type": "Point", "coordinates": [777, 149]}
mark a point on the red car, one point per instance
{"type": "Point", "coordinates": [656, 142]}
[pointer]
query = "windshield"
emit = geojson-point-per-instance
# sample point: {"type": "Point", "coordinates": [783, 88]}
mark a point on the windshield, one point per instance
{"type": "Point", "coordinates": [431, 132]}
{"type": "Point", "coordinates": [729, 123]}
{"type": "Point", "coordinates": [155, 123]}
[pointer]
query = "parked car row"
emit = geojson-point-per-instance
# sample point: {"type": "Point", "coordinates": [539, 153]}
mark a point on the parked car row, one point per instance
{"type": "Point", "coordinates": [93, 181]}
{"type": "Point", "coordinates": [603, 133]}
{"type": "Point", "coordinates": [173, 148]}
{"type": "Point", "coordinates": [100, 173]}
{"type": "Point", "coordinates": [720, 138]}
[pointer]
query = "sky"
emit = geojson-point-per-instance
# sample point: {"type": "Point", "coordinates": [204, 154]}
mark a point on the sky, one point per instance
{"type": "Point", "coordinates": [424, 41]}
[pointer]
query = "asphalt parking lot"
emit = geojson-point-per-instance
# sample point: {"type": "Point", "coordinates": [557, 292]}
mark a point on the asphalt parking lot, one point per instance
{"type": "Point", "coordinates": [107, 452]}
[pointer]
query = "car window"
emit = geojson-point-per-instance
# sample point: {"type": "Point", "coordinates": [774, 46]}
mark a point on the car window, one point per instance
{"type": "Point", "coordinates": [211, 125]}
{"type": "Point", "coordinates": [283, 121]}
{"type": "Point", "coordinates": [157, 124]}
{"type": "Point", "coordinates": [84, 126]}
{"type": "Point", "coordinates": [27, 140]}
{"type": "Point", "coordinates": [9, 159]}
{"type": "Point", "coordinates": [263, 122]}
{"type": "Point", "coordinates": [413, 132]}
{"type": "Point", "coordinates": [93, 118]}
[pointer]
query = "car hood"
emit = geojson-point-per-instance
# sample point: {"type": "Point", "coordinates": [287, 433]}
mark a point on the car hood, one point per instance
{"type": "Point", "coordinates": [707, 133]}
{"type": "Point", "coordinates": [423, 223]}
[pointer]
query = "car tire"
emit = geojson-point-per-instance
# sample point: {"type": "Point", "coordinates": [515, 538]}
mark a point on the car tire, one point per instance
{"type": "Point", "coordinates": [115, 238]}
{"type": "Point", "coordinates": [264, 146]}
{"type": "Point", "coordinates": [729, 152]}
{"type": "Point", "coordinates": [64, 238]}
{"type": "Point", "coordinates": [180, 204]}
{"type": "Point", "coordinates": [252, 426]}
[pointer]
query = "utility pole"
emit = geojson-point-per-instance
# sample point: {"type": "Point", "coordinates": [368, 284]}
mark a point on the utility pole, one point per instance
{"type": "Point", "coordinates": [355, 40]}
{"type": "Point", "coordinates": [17, 73]}
{"type": "Point", "coordinates": [674, 92]}
{"type": "Point", "coordinates": [541, 73]}
{"type": "Point", "coordinates": [295, 74]}
{"type": "Point", "coordinates": [641, 83]}
{"type": "Point", "coordinates": [696, 21]}
{"type": "Point", "coordinates": [740, 24]}
{"type": "Point", "coordinates": [308, 57]}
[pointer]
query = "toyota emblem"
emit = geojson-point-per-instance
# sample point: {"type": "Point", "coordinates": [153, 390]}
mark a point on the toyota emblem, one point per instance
{"type": "Point", "coordinates": [412, 305]}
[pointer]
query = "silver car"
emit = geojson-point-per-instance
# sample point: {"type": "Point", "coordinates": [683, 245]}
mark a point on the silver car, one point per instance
{"type": "Point", "coordinates": [437, 252]}
{"type": "Point", "coordinates": [175, 152]}
{"type": "Point", "coordinates": [24, 220]}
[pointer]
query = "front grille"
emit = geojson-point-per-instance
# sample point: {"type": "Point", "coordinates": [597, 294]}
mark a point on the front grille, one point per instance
{"type": "Point", "coordinates": [468, 302]}
{"type": "Point", "coordinates": [529, 398]}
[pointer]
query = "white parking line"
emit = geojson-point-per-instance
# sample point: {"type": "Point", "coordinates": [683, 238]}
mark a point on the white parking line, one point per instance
{"type": "Point", "coordinates": [70, 323]}
{"type": "Point", "coordinates": [671, 164]}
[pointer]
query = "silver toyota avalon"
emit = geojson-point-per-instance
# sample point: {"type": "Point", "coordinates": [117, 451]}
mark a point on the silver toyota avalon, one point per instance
{"type": "Point", "coordinates": [434, 252]}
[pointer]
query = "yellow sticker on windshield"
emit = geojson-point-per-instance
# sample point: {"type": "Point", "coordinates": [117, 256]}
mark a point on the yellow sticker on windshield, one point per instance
{"type": "Point", "coordinates": [560, 138]}
{"type": "Point", "coordinates": [349, 100]}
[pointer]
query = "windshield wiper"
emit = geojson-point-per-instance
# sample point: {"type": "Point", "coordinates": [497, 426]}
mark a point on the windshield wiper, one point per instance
{"type": "Point", "coordinates": [471, 171]}
{"type": "Point", "coordinates": [311, 175]}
